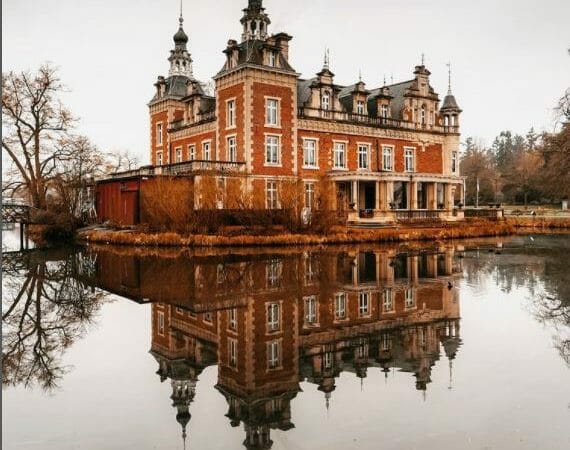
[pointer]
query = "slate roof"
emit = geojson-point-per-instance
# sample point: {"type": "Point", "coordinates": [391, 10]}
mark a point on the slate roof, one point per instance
{"type": "Point", "coordinates": [251, 52]}
{"type": "Point", "coordinates": [449, 103]}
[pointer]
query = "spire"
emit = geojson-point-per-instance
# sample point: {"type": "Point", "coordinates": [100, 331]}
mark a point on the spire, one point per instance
{"type": "Point", "coordinates": [180, 59]}
{"type": "Point", "coordinates": [423, 59]}
{"type": "Point", "coordinates": [449, 78]}
{"type": "Point", "coordinates": [327, 60]}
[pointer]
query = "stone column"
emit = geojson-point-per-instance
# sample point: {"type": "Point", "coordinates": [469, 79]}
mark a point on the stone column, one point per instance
{"type": "Point", "coordinates": [413, 268]}
{"type": "Point", "coordinates": [432, 196]}
{"type": "Point", "coordinates": [448, 196]}
{"type": "Point", "coordinates": [355, 193]}
{"type": "Point", "coordinates": [378, 204]}
{"type": "Point", "coordinates": [413, 194]}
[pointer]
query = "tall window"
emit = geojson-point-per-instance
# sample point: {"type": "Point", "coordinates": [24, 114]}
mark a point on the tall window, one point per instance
{"type": "Point", "coordinates": [326, 101]}
{"type": "Point", "coordinates": [191, 152]}
{"type": "Point", "coordinates": [273, 317]}
{"type": "Point", "coordinates": [386, 342]}
{"type": "Point", "coordinates": [309, 195]}
{"type": "Point", "coordinates": [409, 159]}
{"type": "Point", "coordinates": [159, 133]}
{"type": "Point", "coordinates": [161, 323]}
{"type": "Point", "coordinates": [423, 115]}
{"type": "Point", "coordinates": [272, 58]}
{"type": "Point", "coordinates": [328, 360]}
{"type": "Point", "coordinates": [232, 149]}
{"type": "Point", "coordinates": [206, 151]}
{"type": "Point", "coordinates": [159, 158]}
{"type": "Point", "coordinates": [387, 159]}
{"type": "Point", "coordinates": [272, 112]}
{"type": "Point", "coordinates": [311, 310]}
{"type": "Point", "coordinates": [232, 319]}
{"type": "Point", "coordinates": [388, 301]}
{"type": "Point", "coordinates": [360, 107]}
{"type": "Point", "coordinates": [363, 157]}
{"type": "Point", "coordinates": [454, 162]}
{"type": "Point", "coordinates": [310, 153]}
{"type": "Point", "coordinates": [364, 304]}
{"type": "Point", "coordinates": [384, 110]}
{"type": "Point", "coordinates": [273, 273]}
{"type": "Point", "coordinates": [340, 306]}
{"type": "Point", "coordinates": [272, 150]}
{"type": "Point", "coordinates": [410, 300]}
{"type": "Point", "coordinates": [273, 354]}
{"type": "Point", "coordinates": [339, 155]}
{"type": "Point", "coordinates": [232, 352]}
{"type": "Point", "coordinates": [231, 113]}
{"type": "Point", "coordinates": [178, 155]}
{"type": "Point", "coordinates": [271, 195]}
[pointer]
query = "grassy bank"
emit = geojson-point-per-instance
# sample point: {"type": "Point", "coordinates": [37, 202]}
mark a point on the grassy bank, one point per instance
{"type": "Point", "coordinates": [340, 235]}
{"type": "Point", "coordinates": [538, 223]}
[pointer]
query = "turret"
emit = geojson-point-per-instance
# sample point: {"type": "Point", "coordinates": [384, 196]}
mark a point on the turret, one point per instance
{"type": "Point", "coordinates": [255, 22]}
{"type": "Point", "coordinates": [450, 110]}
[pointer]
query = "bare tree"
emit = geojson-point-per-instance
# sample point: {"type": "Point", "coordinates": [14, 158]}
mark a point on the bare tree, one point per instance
{"type": "Point", "coordinates": [34, 121]}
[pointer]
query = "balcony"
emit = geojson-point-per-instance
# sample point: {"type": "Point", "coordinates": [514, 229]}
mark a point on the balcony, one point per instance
{"type": "Point", "coordinates": [380, 122]}
{"type": "Point", "coordinates": [184, 168]}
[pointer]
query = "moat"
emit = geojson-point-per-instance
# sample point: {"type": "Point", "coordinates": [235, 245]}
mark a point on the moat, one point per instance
{"type": "Point", "coordinates": [462, 344]}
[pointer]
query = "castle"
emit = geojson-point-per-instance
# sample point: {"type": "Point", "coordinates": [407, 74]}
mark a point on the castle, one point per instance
{"type": "Point", "coordinates": [390, 152]}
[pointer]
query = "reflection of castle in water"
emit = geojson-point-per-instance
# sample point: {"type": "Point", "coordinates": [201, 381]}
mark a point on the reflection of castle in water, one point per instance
{"type": "Point", "coordinates": [272, 321]}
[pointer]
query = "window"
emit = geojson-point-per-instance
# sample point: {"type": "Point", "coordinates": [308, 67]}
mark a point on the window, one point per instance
{"type": "Point", "coordinates": [220, 274]}
{"type": "Point", "coordinates": [364, 304]}
{"type": "Point", "coordinates": [311, 310]}
{"type": "Point", "coordinates": [273, 273]}
{"type": "Point", "coordinates": [191, 152]}
{"type": "Point", "coordinates": [272, 58]}
{"type": "Point", "coordinates": [273, 317]}
{"type": "Point", "coordinates": [159, 133]}
{"type": "Point", "coordinates": [178, 155]}
{"type": "Point", "coordinates": [272, 112]}
{"type": "Point", "coordinates": [388, 301]}
{"type": "Point", "coordinates": [410, 300]}
{"type": "Point", "coordinates": [363, 151]}
{"type": "Point", "coordinates": [309, 195]}
{"type": "Point", "coordinates": [340, 306]}
{"type": "Point", "coordinates": [232, 352]}
{"type": "Point", "coordinates": [384, 111]}
{"type": "Point", "coordinates": [339, 155]}
{"type": "Point", "coordinates": [271, 195]}
{"type": "Point", "coordinates": [232, 149]}
{"type": "Point", "coordinates": [328, 360]}
{"type": "Point", "coordinates": [272, 151]}
{"type": "Point", "coordinates": [231, 113]}
{"type": "Point", "coordinates": [160, 323]}
{"type": "Point", "coordinates": [310, 153]}
{"type": "Point", "coordinates": [273, 354]}
{"type": "Point", "coordinates": [387, 158]}
{"type": "Point", "coordinates": [309, 274]}
{"type": "Point", "coordinates": [454, 162]}
{"type": "Point", "coordinates": [423, 115]}
{"type": "Point", "coordinates": [326, 101]}
{"type": "Point", "coordinates": [360, 107]}
{"type": "Point", "coordinates": [208, 318]}
{"type": "Point", "coordinates": [409, 159]}
{"type": "Point", "coordinates": [159, 158]}
{"type": "Point", "coordinates": [386, 342]}
{"type": "Point", "coordinates": [232, 319]}
{"type": "Point", "coordinates": [206, 153]}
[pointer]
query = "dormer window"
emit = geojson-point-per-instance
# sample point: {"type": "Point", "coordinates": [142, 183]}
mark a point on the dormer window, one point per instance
{"type": "Point", "coordinates": [360, 107]}
{"type": "Point", "coordinates": [326, 101]}
{"type": "Point", "coordinates": [272, 58]}
{"type": "Point", "coordinates": [384, 111]}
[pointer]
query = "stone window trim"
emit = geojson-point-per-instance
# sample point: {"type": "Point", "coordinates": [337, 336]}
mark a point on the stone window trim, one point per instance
{"type": "Point", "coordinates": [272, 201]}
{"type": "Point", "coordinates": [340, 317]}
{"type": "Point", "coordinates": [191, 152]}
{"type": "Point", "coordinates": [279, 156]}
{"type": "Point", "coordinates": [413, 151]}
{"type": "Point", "coordinates": [274, 328]}
{"type": "Point", "coordinates": [272, 58]}
{"type": "Point", "coordinates": [229, 124]}
{"type": "Point", "coordinates": [278, 344]}
{"type": "Point", "coordinates": [345, 144]}
{"type": "Point", "coordinates": [207, 144]}
{"type": "Point", "coordinates": [228, 137]}
{"type": "Point", "coordinates": [278, 112]}
{"type": "Point", "coordinates": [310, 311]}
{"type": "Point", "coordinates": [233, 354]}
{"type": "Point", "coordinates": [316, 165]}
{"type": "Point", "coordinates": [392, 149]}
{"type": "Point", "coordinates": [159, 160]}
{"type": "Point", "coordinates": [368, 146]}
{"type": "Point", "coordinates": [159, 126]}
{"type": "Point", "coordinates": [178, 156]}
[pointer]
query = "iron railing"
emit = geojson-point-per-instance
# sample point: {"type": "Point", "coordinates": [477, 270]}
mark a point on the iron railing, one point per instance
{"type": "Point", "coordinates": [183, 168]}
{"type": "Point", "coordinates": [417, 214]}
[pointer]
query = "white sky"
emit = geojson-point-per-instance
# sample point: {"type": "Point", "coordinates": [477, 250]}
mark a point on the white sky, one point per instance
{"type": "Point", "coordinates": [510, 58]}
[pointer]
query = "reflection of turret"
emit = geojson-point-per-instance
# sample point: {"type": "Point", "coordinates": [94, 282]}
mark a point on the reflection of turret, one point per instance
{"type": "Point", "coordinates": [451, 342]}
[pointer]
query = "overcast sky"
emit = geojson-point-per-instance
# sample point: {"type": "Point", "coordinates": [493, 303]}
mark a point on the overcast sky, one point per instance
{"type": "Point", "coordinates": [510, 58]}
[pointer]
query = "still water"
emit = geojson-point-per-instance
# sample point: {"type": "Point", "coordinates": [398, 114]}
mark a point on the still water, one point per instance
{"type": "Point", "coordinates": [463, 345]}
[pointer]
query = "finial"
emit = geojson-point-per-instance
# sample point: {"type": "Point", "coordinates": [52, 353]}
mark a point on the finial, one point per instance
{"type": "Point", "coordinates": [423, 59]}
{"type": "Point", "coordinates": [326, 64]}
{"type": "Point", "coordinates": [384, 79]}
{"type": "Point", "coordinates": [449, 77]}
{"type": "Point", "coordinates": [392, 77]}
{"type": "Point", "coordinates": [450, 387]}
{"type": "Point", "coordinates": [181, 19]}
{"type": "Point", "coordinates": [360, 75]}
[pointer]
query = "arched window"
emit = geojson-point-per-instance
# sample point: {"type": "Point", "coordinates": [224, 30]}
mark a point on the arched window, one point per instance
{"type": "Point", "coordinates": [326, 101]}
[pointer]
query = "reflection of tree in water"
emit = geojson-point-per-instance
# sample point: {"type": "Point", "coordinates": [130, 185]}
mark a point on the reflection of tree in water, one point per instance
{"type": "Point", "coordinates": [541, 268]}
{"type": "Point", "coordinates": [45, 309]}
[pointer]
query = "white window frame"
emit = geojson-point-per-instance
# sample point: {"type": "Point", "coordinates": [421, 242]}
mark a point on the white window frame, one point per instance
{"type": "Point", "coordinates": [339, 148]}
{"type": "Point", "coordinates": [340, 306]}
{"type": "Point", "coordinates": [309, 194]}
{"type": "Point", "coordinates": [231, 146]}
{"type": "Point", "coordinates": [272, 112]}
{"type": "Point", "coordinates": [271, 194]}
{"type": "Point", "coordinates": [388, 301]}
{"type": "Point", "coordinates": [159, 131]}
{"type": "Point", "coordinates": [311, 310]}
{"type": "Point", "coordinates": [328, 360]}
{"type": "Point", "coordinates": [360, 107]}
{"type": "Point", "coordinates": [159, 159]}
{"type": "Point", "coordinates": [160, 323]}
{"type": "Point", "coordinates": [178, 153]}
{"type": "Point", "coordinates": [409, 155]}
{"type": "Point", "coordinates": [232, 319]}
{"type": "Point", "coordinates": [272, 58]}
{"type": "Point", "coordinates": [359, 152]}
{"type": "Point", "coordinates": [308, 162]}
{"type": "Point", "coordinates": [273, 272]}
{"type": "Point", "coordinates": [274, 354]}
{"type": "Point", "coordinates": [409, 298]}
{"type": "Point", "coordinates": [326, 105]}
{"type": "Point", "coordinates": [388, 153]}
{"type": "Point", "coordinates": [207, 150]}
{"type": "Point", "coordinates": [384, 110]}
{"type": "Point", "coordinates": [364, 304]}
{"type": "Point", "coordinates": [273, 150]}
{"type": "Point", "coordinates": [231, 117]}
{"type": "Point", "coordinates": [192, 152]}
{"type": "Point", "coordinates": [273, 311]}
